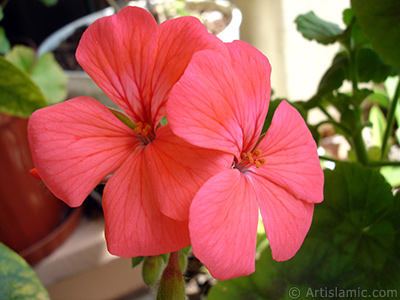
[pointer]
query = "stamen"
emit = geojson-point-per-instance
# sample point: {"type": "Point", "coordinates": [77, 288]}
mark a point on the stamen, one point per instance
{"type": "Point", "coordinates": [258, 152]}
{"type": "Point", "coordinates": [145, 130]}
{"type": "Point", "coordinates": [259, 162]}
{"type": "Point", "coordinates": [247, 159]}
{"type": "Point", "coordinates": [138, 128]}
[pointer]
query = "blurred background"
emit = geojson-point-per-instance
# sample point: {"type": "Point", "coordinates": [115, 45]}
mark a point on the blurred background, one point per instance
{"type": "Point", "coordinates": [266, 24]}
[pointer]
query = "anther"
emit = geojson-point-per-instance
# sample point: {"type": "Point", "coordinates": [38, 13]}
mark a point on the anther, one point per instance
{"type": "Point", "coordinates": [257, 152]}
{"type": "Point", "coordinates": [248, 159]}
{"type": "Point", "coordinates": [259, 162]}
{"type": "Point", "coordinates": [138, 128]}
{"type": "Point", "coordinates": [145, 131]}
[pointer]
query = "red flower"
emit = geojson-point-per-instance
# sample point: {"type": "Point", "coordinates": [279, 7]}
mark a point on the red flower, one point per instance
{"type": "Point", "coordinates": [77, 143]}
{"type": "Point", "coordinates": [278, 174]}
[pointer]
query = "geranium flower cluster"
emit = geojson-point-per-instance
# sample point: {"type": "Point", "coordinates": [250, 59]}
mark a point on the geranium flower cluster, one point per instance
{"type": "Point", "coordinates": [202, 177]}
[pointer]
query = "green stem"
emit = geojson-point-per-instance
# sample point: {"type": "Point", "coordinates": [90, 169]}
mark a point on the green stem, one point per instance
{"type": "Point", "coordinates": [359, 147]}
{"type": "Point", "coordinates": [334, 123]}
{"type": "Point", "coordinates": [114, 4]}
{"type": "Point", "coordinates": [353, 68]}
{"type": "Point", "coordinates": [370, 164]}
{"type": "Point", "coordinates": [390, 119]}
{"type": "Point", "coordinates": [325, 112]}
{"type": "Point", "coordinates": [330, 159]}
{"type": "Point", "coordinates": [384, 163]}
{"type": "Point", "coordinates": [357, 139]}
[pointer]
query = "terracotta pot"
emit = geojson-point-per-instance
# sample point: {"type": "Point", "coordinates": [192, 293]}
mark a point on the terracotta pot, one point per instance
{"type": "Point", "coordinates": [29, 213]}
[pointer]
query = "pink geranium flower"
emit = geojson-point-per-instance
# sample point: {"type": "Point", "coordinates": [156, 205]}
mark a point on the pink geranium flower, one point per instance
{"type": "Point", "coordinates": [278, 174]}
{"type": "Point", "coordinates": [77, 143]}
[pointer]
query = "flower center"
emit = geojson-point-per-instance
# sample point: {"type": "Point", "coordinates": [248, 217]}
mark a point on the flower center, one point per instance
{"type": "Point", "coordinates": [145, 131]}
{"type": "Point", "coordinates": [250, 159]}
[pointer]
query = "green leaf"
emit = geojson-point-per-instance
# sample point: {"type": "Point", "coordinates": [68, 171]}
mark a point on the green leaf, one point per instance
{"type": "Point", "coordinates": [136, 260]}
{"type": "Point", "coordinates": [20, 96]}
{"type": "Point", "coordinates": [391, 85]}
{"type": "Point", "coordinates": [49, 2]}
{"type": "Point", "coordinates": [379, 99]}
{"type": "Point", "coordinates": [17, 279]}
{"type": "Point", "coordinates": [364, 200]}
{"type": "Point", "coordinates": [348, 15]}
{"type": "Point", "coordinates": [273, 105]}
{"type": "Point", "coordinates": [314, 28]}
{"type": "Point", "coordinates": [397, 134]}
{"type": "Point", "coordinates": [45, 71]}
{"type": "Point", "coordinates": [51, 78]}
{"type": "Point", "coordinates": [4, 43]}
{"type": "Point", "coordinates": [392, 175]}
{"type": "Point", "coordinates": [124, 119]}
{"type": "Point", "coordinates": [353, 243]}
{"type": "Point", "coordinates": [335, 75]}
{"type": "Point", "coordinates": [379, 20]}
{"type": "Point", "coordinates": [23, 57]}
{"type": "Point", "coordinates": [378, 120]}
{"type": "Point", "coordinates": [356, 39]}
{"type": "Point", "coordinates": [372, 67]}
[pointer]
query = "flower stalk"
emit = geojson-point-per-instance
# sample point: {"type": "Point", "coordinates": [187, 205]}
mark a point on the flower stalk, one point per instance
{"type": "Point", "coordinates": [390, 119]}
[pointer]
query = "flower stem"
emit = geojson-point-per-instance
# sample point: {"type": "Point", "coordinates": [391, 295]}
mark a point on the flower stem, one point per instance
{"type": "Point", "coordinates": [359, 147]}
{"type": "Point", "coordinates": [114, 4]}
{"type": "Point", "coordinates": [390, 119]}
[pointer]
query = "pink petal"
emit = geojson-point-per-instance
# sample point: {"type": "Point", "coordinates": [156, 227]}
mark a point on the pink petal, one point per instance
{"type": "Point", "coordinates": [118, 52]}
{"type": "Point", "coordinates": [75, 144]}
{"type": "Point", "coordinates": [286, 219]}
{"type": "Point", "coordinates": [134, 224]}
{"type": "Point", "coordinates": [254, 71]}
{"type": "Point", "coordinates": [290, 151]}
{"type": "Point", "coordinates": [223, 225]}
{"type": "Point", "coordinates": [179, 39]}
{"type": "Point", "coordinates": [178, 170]}
{"type": "Point", "coordinates": [207, 106]}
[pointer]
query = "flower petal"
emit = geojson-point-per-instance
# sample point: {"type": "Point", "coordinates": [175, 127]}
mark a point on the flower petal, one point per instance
{"type": "Point", "coordinates": [75, 144]}
{"type": "Point", "coordinates": [134, 224]}
{"type": "Point", "coordinates": [254, 71]}
{"type": "Point", "coordinates": [207, 106]}
{"type": "Point", "coordinates": [291, 156]}
{"type": "Point", "coordinates": [118, 53]}
{"type": "Point", "coordinates": [178, 170]}
{"type": "Point", "coordinates": [179, 39]}
{"type": "Point", "coordinates": [223, 225]}
{"type": "Point", "coordinates": [286, 219]}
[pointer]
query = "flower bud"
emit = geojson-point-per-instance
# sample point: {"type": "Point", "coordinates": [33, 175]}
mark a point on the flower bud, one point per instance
{"type": "Point", "coordinates": [172, 285]}
{"type": "Point", "coordinates": [151, 270]}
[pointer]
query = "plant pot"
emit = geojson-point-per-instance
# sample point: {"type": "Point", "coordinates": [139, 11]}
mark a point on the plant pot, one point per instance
{"type": "Point", "coordinates": [80, 84]}
{"type": "Point", "coordinates": [32, 221]}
